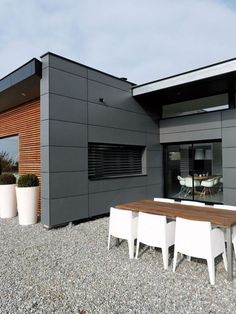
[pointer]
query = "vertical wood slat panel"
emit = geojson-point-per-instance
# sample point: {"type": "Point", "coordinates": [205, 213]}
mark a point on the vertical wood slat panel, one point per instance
{"type": "Point", "coordinates": [24, 121]}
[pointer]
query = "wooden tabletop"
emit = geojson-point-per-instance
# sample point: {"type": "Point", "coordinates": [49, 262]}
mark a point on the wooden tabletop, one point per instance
{"type": "Point", "coordinates": [200, 178]}
{"type": "Point", "coordinates": [220, 217]}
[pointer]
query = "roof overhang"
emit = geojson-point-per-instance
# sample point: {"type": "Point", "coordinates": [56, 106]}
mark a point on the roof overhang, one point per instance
{"type": "Point", "coordinates": [21, 86]}
{"type": "Point", "coordinates": [210, 80]}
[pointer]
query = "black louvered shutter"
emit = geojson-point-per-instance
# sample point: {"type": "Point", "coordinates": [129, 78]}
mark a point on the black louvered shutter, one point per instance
{"type": "Point", "coordinates": [111, 160]}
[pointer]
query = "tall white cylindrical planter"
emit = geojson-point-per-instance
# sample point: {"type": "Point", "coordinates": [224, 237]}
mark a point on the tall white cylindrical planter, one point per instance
{"type": "Point", "coordinates": [27, 204]}
{"type": "Point", "coordinates": [8, 201]}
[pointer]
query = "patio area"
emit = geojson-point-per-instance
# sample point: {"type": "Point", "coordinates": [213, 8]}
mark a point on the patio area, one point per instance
{"type": "Point", "coordinates": [69, 270]}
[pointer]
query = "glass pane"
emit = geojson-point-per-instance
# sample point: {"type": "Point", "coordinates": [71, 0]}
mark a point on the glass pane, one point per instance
{"type": "Point", "coordinates": [9, 155]}
{"type": "Point", "coordinates": [195, 106]}
{"type": "Point", "coordinates": [178, 168]}
{"type": "Point", "coordinates": [194, 172]}
{"type": "Point", "coordinates": [208, 172]}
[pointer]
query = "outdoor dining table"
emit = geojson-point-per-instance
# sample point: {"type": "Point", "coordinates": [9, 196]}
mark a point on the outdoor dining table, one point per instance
{"type": "Point", "coordinates": [219, 217]}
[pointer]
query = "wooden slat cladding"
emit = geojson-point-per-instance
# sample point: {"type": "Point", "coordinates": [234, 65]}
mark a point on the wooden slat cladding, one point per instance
{"type": "Point", "coordinates": [24, 121]}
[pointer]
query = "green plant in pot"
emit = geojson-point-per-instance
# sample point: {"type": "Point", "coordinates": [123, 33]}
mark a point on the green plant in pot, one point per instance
{"type": "Point", "coordinates": [7, 195]}
{"type": "Point", "coordinates": [27, 194]}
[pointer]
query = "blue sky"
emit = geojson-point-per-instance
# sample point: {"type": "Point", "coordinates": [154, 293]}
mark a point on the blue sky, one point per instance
{"type": "Point", "coordinates": [138, 39]}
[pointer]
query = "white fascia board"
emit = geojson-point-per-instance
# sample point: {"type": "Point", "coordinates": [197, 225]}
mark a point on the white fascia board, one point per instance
{"type": "Point", "coordinates": [211, 71]}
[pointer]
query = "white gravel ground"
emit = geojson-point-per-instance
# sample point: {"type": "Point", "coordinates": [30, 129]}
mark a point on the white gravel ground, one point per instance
{"type": "Point", "coordinates": [69, 270]}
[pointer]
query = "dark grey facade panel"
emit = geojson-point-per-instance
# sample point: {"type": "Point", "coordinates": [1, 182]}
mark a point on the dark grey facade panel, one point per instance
{"type": "Point", "coordinates": [110, 135]}
{"type": "Point", "coordinates": [229, 137]}
{"type": "Point", "coordinates": [154, 190]}
{"type": "Point", "coordinates": [44, 82]}
{"type": "Point", "coordinates": [68, 209]}
{"type": "Point", "coordinates": [229, 158]}
{"type": "Point", "coordinates": [155, 176]}
{"type": "Point", "coordinates": [112, 97]}
{"type": "Point", "coordinates": [45, 186]}
{"type": "Point", "coordinates": [99, 186]}
{"type": "Point", "coordinates": [65, 65]}
{"type": "Point", "coordinates": [101, 115]}
{"type": "Point", "coordinates": [67, 84]}
{"type": "Point", "coordinates": [109, 80]}
{"type": "Point", "coordinates": [44, 107]}
{"type": "Point", "coordinates": [68, 134]}
{"type": "Point", "coordinates": [45, 212]}
{"type": "Point", "coordinates": [154, 158]}
{"type": "Point", "coordinates": [230, 178]}
{"type": "Point", "coordinates": [100, 203]}
{"type": "Point", "coordinates": [65, 159]}
{"type": "Point", "coordinates": [153, 141]}
{"type": "Point", "coordinates": [229, 196]}
{"type": "Point", "coordinates": [208, 134]}
{"type": "Point", "coordinates": [44, 133]}
{"type": "Point", "coordinates": [70, 124]}
{"type": "Point", "coordinates": [198, 122]}
{"type": "Point", "coordinates": [67, 184]}
{"type": "Point", "coordinates": [68, 109]}
{"type": "Point", "coordinates": [44, 159]}
{"type": "Point", "coordinates": [229, 118]}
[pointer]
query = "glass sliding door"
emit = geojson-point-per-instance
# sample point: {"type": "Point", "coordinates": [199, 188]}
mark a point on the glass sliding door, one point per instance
{"type": "Point", "coordinates": [193, 171]}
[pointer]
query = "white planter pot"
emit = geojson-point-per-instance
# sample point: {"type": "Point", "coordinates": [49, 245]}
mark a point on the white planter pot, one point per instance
{"type": "Point", "coordinates": [27, 204]}
{"type": "Point", "coordinates": [8, 201]}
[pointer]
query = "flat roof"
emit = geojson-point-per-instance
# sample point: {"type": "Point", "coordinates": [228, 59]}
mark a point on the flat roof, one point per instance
{"type": "Point", "coordinates": [21, 85]}
{"type": "Point", "coordinates": [206, 72]}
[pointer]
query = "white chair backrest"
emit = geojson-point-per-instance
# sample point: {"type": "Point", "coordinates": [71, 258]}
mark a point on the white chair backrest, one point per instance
{"type": "Point", "coordinates": [120, 221]}
{"type": "Point", "coordinates": [208, 183]}
{"type": "Point", "coordinates": [163, 200]}
{"type": "Point", "coordinates": [181, 180]}
{"type": "Point", "coordinates": [151, 229]}
{"type": "Point", "coordinates": [227, 207]}
{"type": "Point", "coordinates": [189, 182]}
{"type": "Point", "coordinates": [193, 237]}
{"type": "Point", "coordinates": [200, 204]}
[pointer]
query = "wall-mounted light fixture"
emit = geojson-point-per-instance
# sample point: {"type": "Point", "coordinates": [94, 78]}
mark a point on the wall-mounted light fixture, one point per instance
{"type": "Point", "coordinates": [101, 99]}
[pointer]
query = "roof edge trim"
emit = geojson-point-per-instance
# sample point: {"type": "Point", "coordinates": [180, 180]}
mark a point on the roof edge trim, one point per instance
{"type": "Point", "coordinates": [212, 70]}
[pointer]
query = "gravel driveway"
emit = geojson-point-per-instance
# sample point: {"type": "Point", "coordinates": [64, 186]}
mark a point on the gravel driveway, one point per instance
{"type": "Point", "coordinates": [69, 270]}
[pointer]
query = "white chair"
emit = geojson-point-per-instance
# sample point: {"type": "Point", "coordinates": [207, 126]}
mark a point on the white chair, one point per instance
{"type": "Point", "coordinates": [193, 203]}
{"type": "Point", "coordinates": [153, 230]}
{"type": "Point", "coordinates": [123, 225]}
{"type": "Point", "coordinates": [229, 207]}
{"type": "Point", "coordinates": [198, 239]}
{"type": "Point", "coordinates": [190, 185]}
{"type": "Point", "coordinates": [182, 184]}
{"type": "Point", "coordinates": [163, 200]}
{"type": "Point", "coordinates": [207, 187]}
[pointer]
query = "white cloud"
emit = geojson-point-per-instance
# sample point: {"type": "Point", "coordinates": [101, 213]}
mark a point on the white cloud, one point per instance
{"type": "Point", "coordinates": [141, 40]}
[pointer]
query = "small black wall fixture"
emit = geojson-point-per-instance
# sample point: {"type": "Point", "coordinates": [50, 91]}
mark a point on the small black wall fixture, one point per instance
{"type": "Point", "coordinates": [101, 100]}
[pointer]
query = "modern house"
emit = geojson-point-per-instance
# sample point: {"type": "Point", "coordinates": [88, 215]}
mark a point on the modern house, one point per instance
{"type": "Point", "coordinates": [96, 140]}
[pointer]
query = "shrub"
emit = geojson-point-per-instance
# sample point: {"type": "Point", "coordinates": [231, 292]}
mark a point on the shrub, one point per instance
{"type": "Point", "coordinates": [7, 178]}
{"type": "Point", "coordinates": [28, 180]}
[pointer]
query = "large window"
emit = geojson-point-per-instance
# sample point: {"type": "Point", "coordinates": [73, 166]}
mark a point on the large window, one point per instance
{"type": "Point", "coordinates": [193, 171]}
{"type": "Point", "coordinates": [9, 155]}
{"type": "Point", "coordinates": [110, 160]}
{"type": "Point", "coordinates": [206, 104]}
